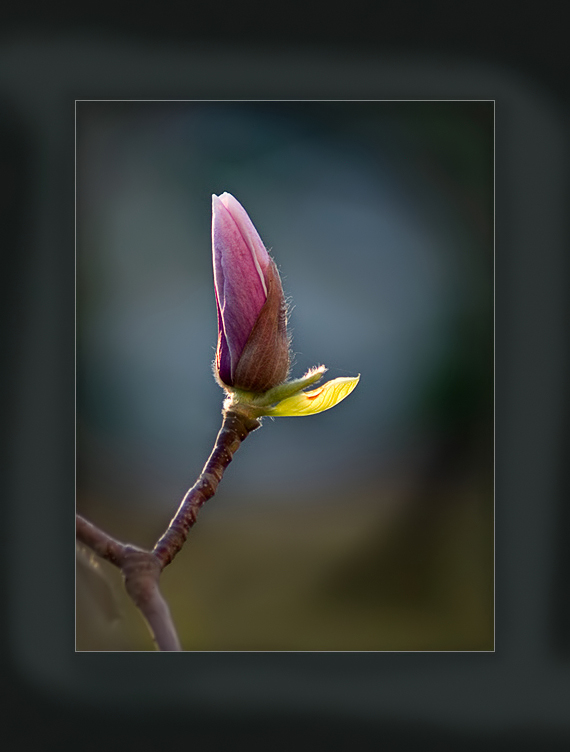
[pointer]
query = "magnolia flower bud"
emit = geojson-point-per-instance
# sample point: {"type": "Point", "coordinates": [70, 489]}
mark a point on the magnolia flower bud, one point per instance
{"type": "Point", "coordinates": [253, 345]}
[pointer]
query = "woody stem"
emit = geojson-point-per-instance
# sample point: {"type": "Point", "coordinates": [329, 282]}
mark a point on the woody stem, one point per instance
{"type": "Point", "coordinates": [235, 428]}
{"type": "Point", "coordinates": [141, 569]}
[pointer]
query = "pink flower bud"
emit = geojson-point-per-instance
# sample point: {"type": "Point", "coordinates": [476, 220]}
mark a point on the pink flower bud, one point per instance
{"type": "Point", "coordinates": [253, 345]}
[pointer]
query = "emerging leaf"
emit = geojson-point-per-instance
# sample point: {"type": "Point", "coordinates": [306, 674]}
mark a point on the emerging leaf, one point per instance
{"type": "Point", "coordinates": [317, 400]}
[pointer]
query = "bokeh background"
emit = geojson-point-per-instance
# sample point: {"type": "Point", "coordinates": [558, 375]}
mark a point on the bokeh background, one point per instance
{"type": "Point", "coordinates": [368, 527]}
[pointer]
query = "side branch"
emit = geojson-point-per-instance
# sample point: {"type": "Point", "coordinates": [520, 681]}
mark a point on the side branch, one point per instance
{"type": "Point", "coordinates": [141, 572]}
{"type": "Point", "coordinates": [235, 428]}
{"type": "Point", "coordinates": [141, 569]}
{"type": "Point", "coordinates": [103, 545]}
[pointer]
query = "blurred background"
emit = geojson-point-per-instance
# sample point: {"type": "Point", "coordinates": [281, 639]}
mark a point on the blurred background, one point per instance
{"type": "Point", "coordinates": [368, 527]}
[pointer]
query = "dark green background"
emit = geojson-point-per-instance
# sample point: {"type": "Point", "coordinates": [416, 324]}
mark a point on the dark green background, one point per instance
{"type": "Point", "coordinates": [369, 527]}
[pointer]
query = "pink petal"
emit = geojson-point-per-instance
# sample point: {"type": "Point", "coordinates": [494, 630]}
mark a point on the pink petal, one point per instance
{"type": "Point", "coordinates": [239, 257]}
{"type": "Point", "coordinates": [248, 231]}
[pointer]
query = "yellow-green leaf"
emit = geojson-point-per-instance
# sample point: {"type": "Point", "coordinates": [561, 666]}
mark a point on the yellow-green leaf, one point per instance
{"type": "Point", "coordinates": [317, 400]}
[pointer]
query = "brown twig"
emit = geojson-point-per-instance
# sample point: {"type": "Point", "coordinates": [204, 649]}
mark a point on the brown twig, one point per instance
{"type": "Point", "coordinates": [235, 428]}
{"type": "Point", "coordinates": [141, 569]}
{"type": "Point", "coordinates": [103, 545]}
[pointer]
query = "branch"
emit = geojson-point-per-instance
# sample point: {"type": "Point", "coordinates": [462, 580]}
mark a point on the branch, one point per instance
{"type": "Point", "coordinates": [141, 569]}
{"type": "Point", "coordinates": [103, 545]}
{"type": "Point", "coordinates": [235, 428]}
